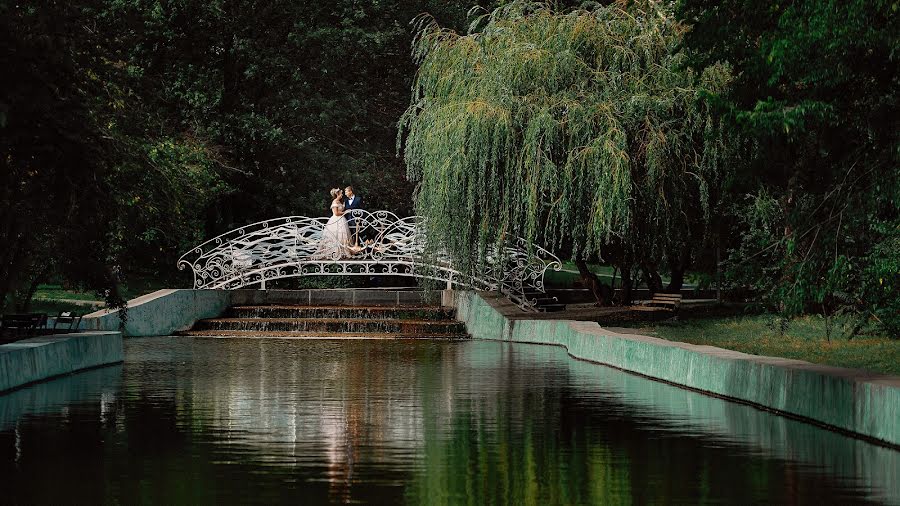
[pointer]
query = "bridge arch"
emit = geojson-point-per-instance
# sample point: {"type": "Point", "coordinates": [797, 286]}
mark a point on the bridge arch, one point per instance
{"type": "Point", "coordinates": [289, 247]}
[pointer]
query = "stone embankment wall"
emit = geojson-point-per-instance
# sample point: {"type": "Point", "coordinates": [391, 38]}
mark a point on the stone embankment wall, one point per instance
{"type": "Point", "coordinates": [166, 311]}
{"type": "Point", "coordinates": [859, 402]}
{"type": "Point", "coordinates": [40, 358]}
{"type": "Point", "coordinates": [160, 313]}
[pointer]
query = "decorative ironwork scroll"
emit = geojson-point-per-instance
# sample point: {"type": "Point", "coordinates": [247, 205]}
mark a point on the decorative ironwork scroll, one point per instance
{"type": "Point", "coordinates": [381, 244]}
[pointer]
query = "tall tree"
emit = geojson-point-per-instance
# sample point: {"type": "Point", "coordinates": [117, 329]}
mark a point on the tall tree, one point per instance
{"type": "Point", "coordinates": [132, 128]}
{"type": "Point", "coordinates": [581, 130]}
{"type": "Point", "coordinates": [91, 180]}
{"type": "Point", "coordinates": [816, 99]}
{"type": "Point", "coordinates": [299, 97]}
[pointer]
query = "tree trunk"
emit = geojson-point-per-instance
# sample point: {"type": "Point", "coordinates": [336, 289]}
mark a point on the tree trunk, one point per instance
{"type": "Point", "coordinates": [677, 266]}
{"type": "Point", "coordinates": [24, 303]}
{"type": "Point", "coordinates": [601, 292]}
{"type": "Point", "coordinates": [11, 266]}
{"type": "Point", "coordinates": [652, 278]}
{"type": "Point", "coordinates": [627, 284]}
{"type": "Point", "coordinates": [677, 281]}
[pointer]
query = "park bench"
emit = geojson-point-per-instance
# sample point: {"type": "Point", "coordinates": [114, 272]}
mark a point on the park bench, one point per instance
{"type": "Point", "coordinates": [670, 301]}
{"type": "Point", "coordinates": [545, 303]}
{"type": "Point", "coordinates": [66, 321]}
{"type": "Point", "coordinates": [21, 325]}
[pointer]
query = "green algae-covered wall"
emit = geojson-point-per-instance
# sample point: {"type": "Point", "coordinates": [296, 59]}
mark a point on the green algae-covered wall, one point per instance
{"type": "Point", "coordinates": [39, 358]}
{"type": "Point", "coordinates": [864, 403]}
{"type": "Point", "coordinates": [162, 312]}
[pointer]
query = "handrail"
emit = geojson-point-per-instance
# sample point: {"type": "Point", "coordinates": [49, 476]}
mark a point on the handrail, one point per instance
{"type": "Point", "coordinates": [383, 244]}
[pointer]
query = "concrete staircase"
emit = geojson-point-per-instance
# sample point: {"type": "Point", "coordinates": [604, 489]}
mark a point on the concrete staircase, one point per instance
{"type": "Point", "coordinates": [333, 322]}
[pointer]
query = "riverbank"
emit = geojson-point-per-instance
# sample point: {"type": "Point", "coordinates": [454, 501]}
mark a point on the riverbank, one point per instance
{"type": "Point", "coordinates": [44, 357]}
{"type": "Point", "coordinates": [803, 339]}
{"type": "Point", "coordinates": [704, 322]}
{"type": "Point", "coordinates": [850, 400]}
{"type": "Point", "coordinates": [857, 402]}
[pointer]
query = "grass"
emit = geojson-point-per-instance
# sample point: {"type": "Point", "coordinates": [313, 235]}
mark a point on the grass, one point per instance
{"type": "Point", "coordinates": [569, 276]}
{"type": "Point", "coordinates": [53, 298]}
{"type": "Point", "coordinates": [600, 270]}
{"type": "Point", "coordinates": [804, 339]}
{"type": "Point", "coordinates": [53, 307]}
{"type": "Point", "coordinates": [130, 290]}
{"type": "Point", "coordinates": [58, 292]}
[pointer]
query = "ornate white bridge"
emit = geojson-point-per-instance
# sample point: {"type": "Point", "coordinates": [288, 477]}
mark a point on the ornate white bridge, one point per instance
{"type": "Point", "coordinates": [386, 245]}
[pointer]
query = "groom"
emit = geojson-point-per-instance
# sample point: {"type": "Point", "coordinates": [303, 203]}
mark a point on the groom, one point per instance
{"type": "Point", "coordinates": [354, 201]}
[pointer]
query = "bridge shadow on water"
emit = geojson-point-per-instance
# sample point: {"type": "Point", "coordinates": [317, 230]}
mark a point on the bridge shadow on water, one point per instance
{"type": "Point", "coordinates": [429, 422]}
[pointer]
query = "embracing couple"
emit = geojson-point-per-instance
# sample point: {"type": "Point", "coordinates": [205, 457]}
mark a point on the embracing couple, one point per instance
{"type": "Point", "coordinates": [337, 241]}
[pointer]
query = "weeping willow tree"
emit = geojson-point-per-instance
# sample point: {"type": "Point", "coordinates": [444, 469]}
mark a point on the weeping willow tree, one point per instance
{"type": "Point", "coordinates": [581, 130]}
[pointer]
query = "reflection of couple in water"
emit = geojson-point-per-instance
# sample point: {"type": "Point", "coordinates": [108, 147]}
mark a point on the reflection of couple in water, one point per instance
{"type": "Point", "coordinates": [337, 239]}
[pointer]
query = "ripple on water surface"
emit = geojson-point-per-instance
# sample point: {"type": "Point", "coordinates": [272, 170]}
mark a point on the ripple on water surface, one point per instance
{"type": "Point", "coordinates": [430, 422]}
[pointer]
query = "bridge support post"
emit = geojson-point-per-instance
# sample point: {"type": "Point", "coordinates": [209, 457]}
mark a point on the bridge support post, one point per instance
{"type": "Point", "coordinates": [448, 298]}
{"type": "Point", "coordinates": [262, 284]}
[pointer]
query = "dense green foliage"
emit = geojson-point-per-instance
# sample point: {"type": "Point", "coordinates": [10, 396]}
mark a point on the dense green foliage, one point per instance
{"type": "Point", "coordinates": [580, 130]}
{"type": "Point", "coordinates": [644, 134]}
{"type": "Point", "coordinates": [817, 213]}
{"type": "Point", "coordinates": [129, 129]}
{"type": "Point", "coordinates": [299, 97]}
{"type": "Point", "coordinates": [90, 176]}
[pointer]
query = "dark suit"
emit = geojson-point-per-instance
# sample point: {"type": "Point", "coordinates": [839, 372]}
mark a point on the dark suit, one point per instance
{"type": "Point", "coordinates": [355, 204]}
{"type": "Point", "coordinates": [349, 206]}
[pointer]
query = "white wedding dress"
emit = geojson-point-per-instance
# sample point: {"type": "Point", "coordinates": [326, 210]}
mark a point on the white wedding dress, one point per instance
{"type": "Point", "coordinates": [335, 243]}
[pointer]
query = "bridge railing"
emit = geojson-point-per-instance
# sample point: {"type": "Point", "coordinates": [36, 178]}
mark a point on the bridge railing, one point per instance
{"type": "Point", "coordinates": [381, 244]}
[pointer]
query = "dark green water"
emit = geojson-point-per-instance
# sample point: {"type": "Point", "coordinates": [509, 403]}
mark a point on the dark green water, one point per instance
{"type": "Point", "coordinates": [307, 422]}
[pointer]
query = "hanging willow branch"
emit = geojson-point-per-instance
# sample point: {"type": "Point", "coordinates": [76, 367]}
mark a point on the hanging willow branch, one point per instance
{"type": "Point", "coordinates": [569, 129]}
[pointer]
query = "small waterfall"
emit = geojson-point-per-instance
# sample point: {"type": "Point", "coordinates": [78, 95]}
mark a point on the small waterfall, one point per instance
{"type": "Point", "coordinates": [341, 312]}
{"type": "Point", "coordinates": [382, 322]}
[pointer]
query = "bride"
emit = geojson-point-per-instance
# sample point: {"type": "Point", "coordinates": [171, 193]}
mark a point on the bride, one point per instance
{"type": "Point", "coordinates": [335, 243]}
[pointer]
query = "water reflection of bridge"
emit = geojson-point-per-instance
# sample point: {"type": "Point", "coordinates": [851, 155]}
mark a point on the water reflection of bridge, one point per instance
{"type": "Point", "coordinates": [475, 418]}
{"type": "Point", "coordinates": [429, 409]}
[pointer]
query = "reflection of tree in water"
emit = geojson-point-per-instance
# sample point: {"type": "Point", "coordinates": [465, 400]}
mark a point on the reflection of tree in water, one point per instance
{"type": "Point", "coordinates": [225, 421]}
{"type": "Point", "coordinates": [538, 436]}
{"type": "Point", "coordinates": [383, 399]}
{"type": "Point", "coordinates": [499, 422]}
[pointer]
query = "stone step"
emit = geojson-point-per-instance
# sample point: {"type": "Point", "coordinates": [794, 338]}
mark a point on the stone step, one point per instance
{"type": "Point", "coordinates": [332, 325]}
{"type": "Point", "coordinates": [342, 312]}
{"type": "Point", "coordinates": [315, 335]}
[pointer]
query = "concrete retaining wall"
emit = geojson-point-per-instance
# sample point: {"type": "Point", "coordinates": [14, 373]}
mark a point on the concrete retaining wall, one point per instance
{"type": "Point", "coordinates": [39, 358]}
{"type": "Point", "coordinates": [166, 311]}
{"type": "Point", "coordinates": [856, 401]}
{"type": "Point", "coordinates": [162, 312]}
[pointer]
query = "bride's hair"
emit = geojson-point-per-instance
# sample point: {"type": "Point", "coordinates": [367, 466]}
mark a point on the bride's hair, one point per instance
{"type": "Point", "coordinates": [335, 192]}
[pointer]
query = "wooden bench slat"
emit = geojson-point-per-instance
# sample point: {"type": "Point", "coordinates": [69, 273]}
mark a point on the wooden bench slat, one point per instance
{"type": "Point", "coordinates": [668, 301]}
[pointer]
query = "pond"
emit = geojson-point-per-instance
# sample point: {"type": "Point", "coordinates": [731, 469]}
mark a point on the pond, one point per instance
{"type": "Point", "coordinates": [205, 421]}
